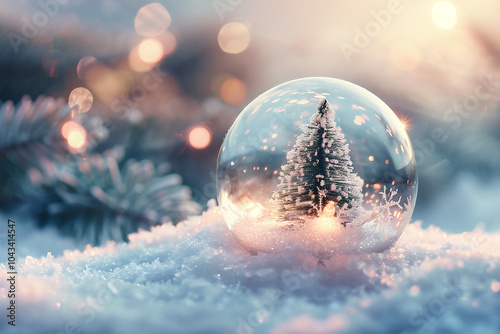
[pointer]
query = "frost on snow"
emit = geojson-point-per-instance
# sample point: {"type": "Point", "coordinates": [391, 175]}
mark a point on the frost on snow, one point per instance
{"type": "Point", "coordinates": [196, 278]}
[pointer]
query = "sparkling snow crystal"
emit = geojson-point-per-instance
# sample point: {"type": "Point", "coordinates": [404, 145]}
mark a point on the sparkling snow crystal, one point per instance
{"type": "Point", "coordinates": [196, 278]}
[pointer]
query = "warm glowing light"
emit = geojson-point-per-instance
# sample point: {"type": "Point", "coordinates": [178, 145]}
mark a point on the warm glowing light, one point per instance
{"type": "Point", "coordinates": [150, 51]}
{"type": "Point", "coordinates": [200, 137]}
{"type": "Point", "coordinates": [406, 123]}
{"type": "Point", "coordinates": [234, 37]}
{"type": "Point", "coordinates": [253, 209]}
{"type": "Point", "coordinates": [70, 126]}
{"type": "Point", "coordinates": [77, 138]}
{"type": "Point", "coordinates": [327, 221]}
{"type": "Point", "coordinates": [256, 211]}
{"type": "Point", "coordinates": [136, 63]}
{"type": "Point", "coordinates": [75, 134]}
{"type": "Point", "coordinates": [405, 56]}
{"type": "Point", "coordinates": [151, 20]}
{"type": "Point", "coordinates": [233, 91]}
{"type": "Point", "coordinates": [371, 158]}
{"type": "Point", "coordinates": [495, 286]}
{"type": "Point", "coordinates": [329, 210]}
{"type": "Point", "coordinates": [377, 186]}
{"type": "Point", "coordinates": [444, 14]}
{"type": "Point", "coordinates": [80, 100]}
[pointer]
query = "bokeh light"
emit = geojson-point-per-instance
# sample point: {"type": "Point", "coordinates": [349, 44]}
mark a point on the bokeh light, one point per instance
{"type": "Point", "coordinates": [150, 51]}
{"type": "Point", "coordinates": [108, 83]}
{"type": "Point", "coordinates": [234, 37]}
{"type": "Point", "coordinates": [77, 139]}
{"type": "Point", "coordinates": [152, 20]}
{"type": "Point", "coordinates": [233, 91]}
{"type": "Point", "coordinates": [143, 56]}
{"type": "Point", "coordinates": [217, 82]}
{"type": "Point", "coordinates": [444, 14]}
{"type": "Point", "coordinates": [199, 137]}
{"type": "Point", "coordinates": [169, 43]}
{"type": "Point", "coordinates": [80, 100]}
{"type": "Point", "coordinates": [75, 134]}
{"type": "Point", "coordinates": [136, 63]}
{"type": "Point", "coordinates": [84, 65]}
{"type": "Point", "coordinates": [405, 56]}
{"type": "Point", "coordinates": [68, 127]}
{"type": "Point", "coordinates": [105, 82]}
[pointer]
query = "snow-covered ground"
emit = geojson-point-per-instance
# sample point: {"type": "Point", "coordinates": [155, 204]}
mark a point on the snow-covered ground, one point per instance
{"type": "Point", "coordinates": [196, 278]}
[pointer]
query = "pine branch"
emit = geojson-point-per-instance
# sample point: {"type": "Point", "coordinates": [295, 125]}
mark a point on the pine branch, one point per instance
{"type": "Point", "coordinates": [95, 201]}
{"type": "Point", "coordinates": [29, 138]}
{"type": "Point", "coordinates": [31, 142]}
{"type": "Point", "coordinates": [90, 198]}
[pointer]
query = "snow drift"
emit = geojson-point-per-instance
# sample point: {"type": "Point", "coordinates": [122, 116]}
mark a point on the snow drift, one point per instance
{"type": "Point", "coordinates": [196, 278]}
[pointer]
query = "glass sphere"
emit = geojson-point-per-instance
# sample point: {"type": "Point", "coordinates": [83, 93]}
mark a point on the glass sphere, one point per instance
{"type": "Point", "coordinates": [319, 165]}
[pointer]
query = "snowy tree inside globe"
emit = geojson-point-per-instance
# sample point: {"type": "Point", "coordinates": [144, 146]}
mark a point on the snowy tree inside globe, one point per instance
{"type": "Point", "coordinates": [319, 165]}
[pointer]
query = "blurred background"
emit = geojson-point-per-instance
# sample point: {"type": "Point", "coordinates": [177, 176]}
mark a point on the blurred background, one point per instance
{"type": "Point", "coordinates": [169, 78]}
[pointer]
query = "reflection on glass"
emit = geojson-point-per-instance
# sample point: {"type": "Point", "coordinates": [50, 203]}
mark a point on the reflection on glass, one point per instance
{"type": "Point", "coordinates": [254, 153]}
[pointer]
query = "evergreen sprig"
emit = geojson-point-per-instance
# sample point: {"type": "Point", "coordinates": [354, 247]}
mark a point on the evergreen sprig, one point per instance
{"type": "Point", "coordinates": [30, 138]}
{"type": "Point", "coordinates": [91, 197]}
{"type": "Point", "coordinates": [31, 143]}
{"type": "Point", "coordinates": [94, 200]}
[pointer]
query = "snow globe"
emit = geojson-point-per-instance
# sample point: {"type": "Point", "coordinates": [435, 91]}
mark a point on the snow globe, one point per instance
{"type": "Point", "coordinates": [317, 165]}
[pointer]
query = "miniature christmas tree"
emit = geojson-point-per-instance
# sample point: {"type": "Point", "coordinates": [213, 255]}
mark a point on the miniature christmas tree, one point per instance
{"type": "Point", "coordinates": [318, 173]}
